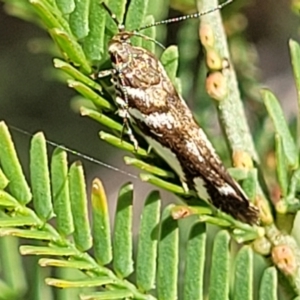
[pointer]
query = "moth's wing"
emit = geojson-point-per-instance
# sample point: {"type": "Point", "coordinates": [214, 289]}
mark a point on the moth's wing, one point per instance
{"type": "Point", "coordinates": [213, 178]}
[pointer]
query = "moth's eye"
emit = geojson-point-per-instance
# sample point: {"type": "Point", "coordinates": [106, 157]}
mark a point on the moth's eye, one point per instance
{"type": "Point", "coordinates": [113, 58]}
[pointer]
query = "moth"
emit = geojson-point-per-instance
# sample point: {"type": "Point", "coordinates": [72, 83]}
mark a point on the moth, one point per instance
{"type": "Point", "coordinates": [148, 99]}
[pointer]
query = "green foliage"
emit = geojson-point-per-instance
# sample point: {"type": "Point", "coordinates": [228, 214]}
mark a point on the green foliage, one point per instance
{"type": "Point", "coordinates": [65, 245]}
{"type": "Point", "coordinates": [95, 260]}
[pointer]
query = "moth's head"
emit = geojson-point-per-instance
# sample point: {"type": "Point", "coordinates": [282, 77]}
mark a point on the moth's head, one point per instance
{"type": "Point", "coordinates": [119, 48]}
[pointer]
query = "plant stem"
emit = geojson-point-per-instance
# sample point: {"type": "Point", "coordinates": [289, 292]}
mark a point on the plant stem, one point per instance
{"type": "Point", "coordinates": [230, 108]}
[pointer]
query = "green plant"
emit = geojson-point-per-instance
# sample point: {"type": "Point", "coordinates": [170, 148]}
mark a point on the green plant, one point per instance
{"type": "Point", "coordinates": [81, 30]}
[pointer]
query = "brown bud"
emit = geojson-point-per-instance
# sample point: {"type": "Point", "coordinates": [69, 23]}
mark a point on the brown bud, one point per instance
{"type": "Point", "coordinates": [242, 159]}
{"type": "Point", "coordinates": [216, 85]}
{"type": "Point", "coordinates": [206, 36]}
{"type": "Point", "coordinates": [213, 60]}
{"type": "Point", "coordinates": [180, 212]}
{"type": "Point", "coordinates": [265, 214]}
{"type": "Point", "coordinates": [284, 258]}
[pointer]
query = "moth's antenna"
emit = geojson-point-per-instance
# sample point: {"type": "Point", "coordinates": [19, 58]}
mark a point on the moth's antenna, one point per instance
{"type": "Point", "coordinates": [186, 17]}
{"type": "Point", "coordinates": [113, 16]}
{"type": "Point", "coordinates": [78, 154]}
{"type": "Point", "coordinates": [136, 33]}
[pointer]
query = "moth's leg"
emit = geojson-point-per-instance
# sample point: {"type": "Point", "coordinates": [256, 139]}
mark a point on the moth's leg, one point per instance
{"type": "Point", "coordinates": [124, 114]}
{"type": "Point", "coordinates": [102, 74]}
{"type": "Point", "coordinates": [131, 136]}
{"type": "Point", "coordinates": [124, 105]}
{"type": "Point", "coordinates": [122, 102]}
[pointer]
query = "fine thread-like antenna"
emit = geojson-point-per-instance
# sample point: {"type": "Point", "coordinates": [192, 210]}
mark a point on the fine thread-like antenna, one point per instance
{"type": "Point", "coordinates": [186, 17]}
{"type": "Point", "coordinates": [78, 154]}
{"type": "Point", "coordinates": [147, 38]}
{"type": "Point", "coordinates": [168, 21]}
{"type": "Point", "coordinates": [121, 28]}
{"type": "Point", "coordinates": [113, 16]}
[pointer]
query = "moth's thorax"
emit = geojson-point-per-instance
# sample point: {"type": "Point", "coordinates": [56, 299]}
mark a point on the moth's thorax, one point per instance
{"type": "Point", "coordinates": [121, 50]}
{"type": "Point", "coordinates": [141, 76]}
{"type": "Point", "coordinates": [134, 62]}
